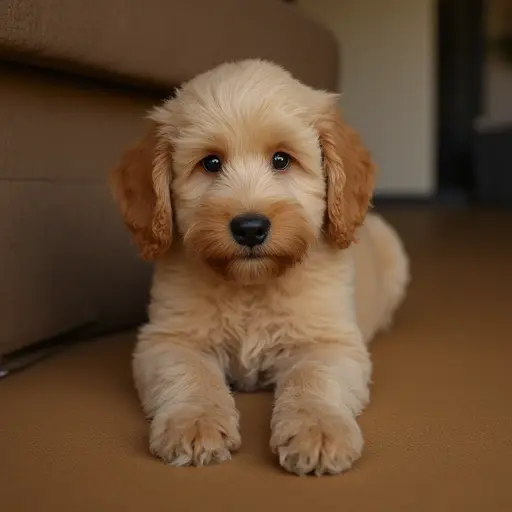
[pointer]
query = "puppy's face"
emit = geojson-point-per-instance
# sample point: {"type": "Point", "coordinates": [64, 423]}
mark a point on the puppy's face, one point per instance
{"type": "Point", "coordinates": [250, 162]}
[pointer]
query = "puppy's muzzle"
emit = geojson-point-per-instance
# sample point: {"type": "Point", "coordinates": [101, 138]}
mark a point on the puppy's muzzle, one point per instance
{"type": "Point", "coordinates": [250, 229]}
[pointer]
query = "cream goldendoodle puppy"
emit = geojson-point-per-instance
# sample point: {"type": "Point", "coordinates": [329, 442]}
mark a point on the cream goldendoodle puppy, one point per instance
{"type": "Point", "coordinates": [250, 195]}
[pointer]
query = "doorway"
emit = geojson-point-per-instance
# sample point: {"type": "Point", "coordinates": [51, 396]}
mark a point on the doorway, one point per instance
{"type": "Point", "coordinates": [459, 79]}
{"type": "Point", "coordinates": [474, 136]}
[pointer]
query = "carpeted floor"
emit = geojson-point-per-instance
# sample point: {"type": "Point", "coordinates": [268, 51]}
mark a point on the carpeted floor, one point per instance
{"type": "Point", "coordinates": [438, 430]}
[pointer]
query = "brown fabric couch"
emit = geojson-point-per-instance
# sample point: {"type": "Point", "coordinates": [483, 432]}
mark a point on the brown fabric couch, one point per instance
{"type": "Point", "coordinates": [75, 80]}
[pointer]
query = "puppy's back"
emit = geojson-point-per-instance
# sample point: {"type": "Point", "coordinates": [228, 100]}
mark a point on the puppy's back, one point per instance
{"type": "Point", "coordinates": [382, 275]}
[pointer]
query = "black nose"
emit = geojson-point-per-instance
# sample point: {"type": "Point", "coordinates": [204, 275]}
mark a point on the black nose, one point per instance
{"type": "Point", "coordinates": [250, 229]}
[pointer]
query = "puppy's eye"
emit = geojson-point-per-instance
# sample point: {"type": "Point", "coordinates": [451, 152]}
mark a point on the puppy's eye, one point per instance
{"type": "Point", "coordinates": [281, 161]}
{"type": "Point", "coordinates": [211, 163]}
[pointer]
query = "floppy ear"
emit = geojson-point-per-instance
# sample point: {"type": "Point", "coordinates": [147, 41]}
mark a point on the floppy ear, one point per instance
{"type": "Point", "coordinates": [141, 187]}
{"type": "Point", "coordinates": [350, 177]}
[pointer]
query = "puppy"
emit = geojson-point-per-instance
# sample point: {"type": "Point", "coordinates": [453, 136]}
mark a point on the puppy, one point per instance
{"type": "Point", "coordinates": [249, 194]}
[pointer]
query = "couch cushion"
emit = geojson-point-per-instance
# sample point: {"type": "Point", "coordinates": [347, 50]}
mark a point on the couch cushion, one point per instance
{"type": "Point", "coordinates": [66, 259]}
{"type": "Point", "coordinates": [165, 42]}
{"type": "Point", "coordinates": [438, 428]}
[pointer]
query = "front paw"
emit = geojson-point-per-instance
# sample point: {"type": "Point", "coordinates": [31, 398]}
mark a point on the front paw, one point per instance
{"type": "Point", "coordinates": [188, 437]}
{"type": "Point", "coordinates": [312, 441]}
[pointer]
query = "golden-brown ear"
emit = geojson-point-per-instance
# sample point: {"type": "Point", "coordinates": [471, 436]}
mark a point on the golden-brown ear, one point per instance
{"type": "Point", "coordinates": [350, 175]}
{"type": "Point", "coordinates": [141, 187]}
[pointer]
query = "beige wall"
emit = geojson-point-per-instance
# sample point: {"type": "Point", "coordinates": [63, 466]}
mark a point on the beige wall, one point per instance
{"type": "Point", "coordinates": [388, 83]}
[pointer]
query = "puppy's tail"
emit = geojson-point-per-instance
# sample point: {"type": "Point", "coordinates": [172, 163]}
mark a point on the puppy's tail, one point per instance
{"type": "Point", "coordinates": [394, 265]}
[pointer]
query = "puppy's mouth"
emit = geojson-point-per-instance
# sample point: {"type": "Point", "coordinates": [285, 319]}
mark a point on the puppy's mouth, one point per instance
{"type": "Point", "coordinates": [252, 267]}
{"type": "Point", "coordinates": [251, 255]}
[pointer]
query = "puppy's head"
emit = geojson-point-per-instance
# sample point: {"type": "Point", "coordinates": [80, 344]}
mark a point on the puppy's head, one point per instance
{"type": "Point", "coordinates": [258, 166]}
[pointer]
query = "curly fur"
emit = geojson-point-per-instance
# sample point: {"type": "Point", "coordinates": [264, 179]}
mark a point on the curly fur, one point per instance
{"type": "Point", "coordinates": [298, 314]}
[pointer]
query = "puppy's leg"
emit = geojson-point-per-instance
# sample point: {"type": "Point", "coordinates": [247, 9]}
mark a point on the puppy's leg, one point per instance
{"type": "Point", "coordinates": [194, 419]}
{"type": "Point", "coordinates": [320, 390]}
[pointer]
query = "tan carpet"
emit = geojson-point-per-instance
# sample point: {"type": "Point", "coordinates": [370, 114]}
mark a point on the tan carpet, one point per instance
{"type": "Point", "coordinates": [438, 430]}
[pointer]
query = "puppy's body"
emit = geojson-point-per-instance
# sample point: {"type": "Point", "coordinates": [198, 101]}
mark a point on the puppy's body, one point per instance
{"type": "Point", "coordinates": [295, 310]}
{"type": "Point", "coordinates": [248, 328]}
